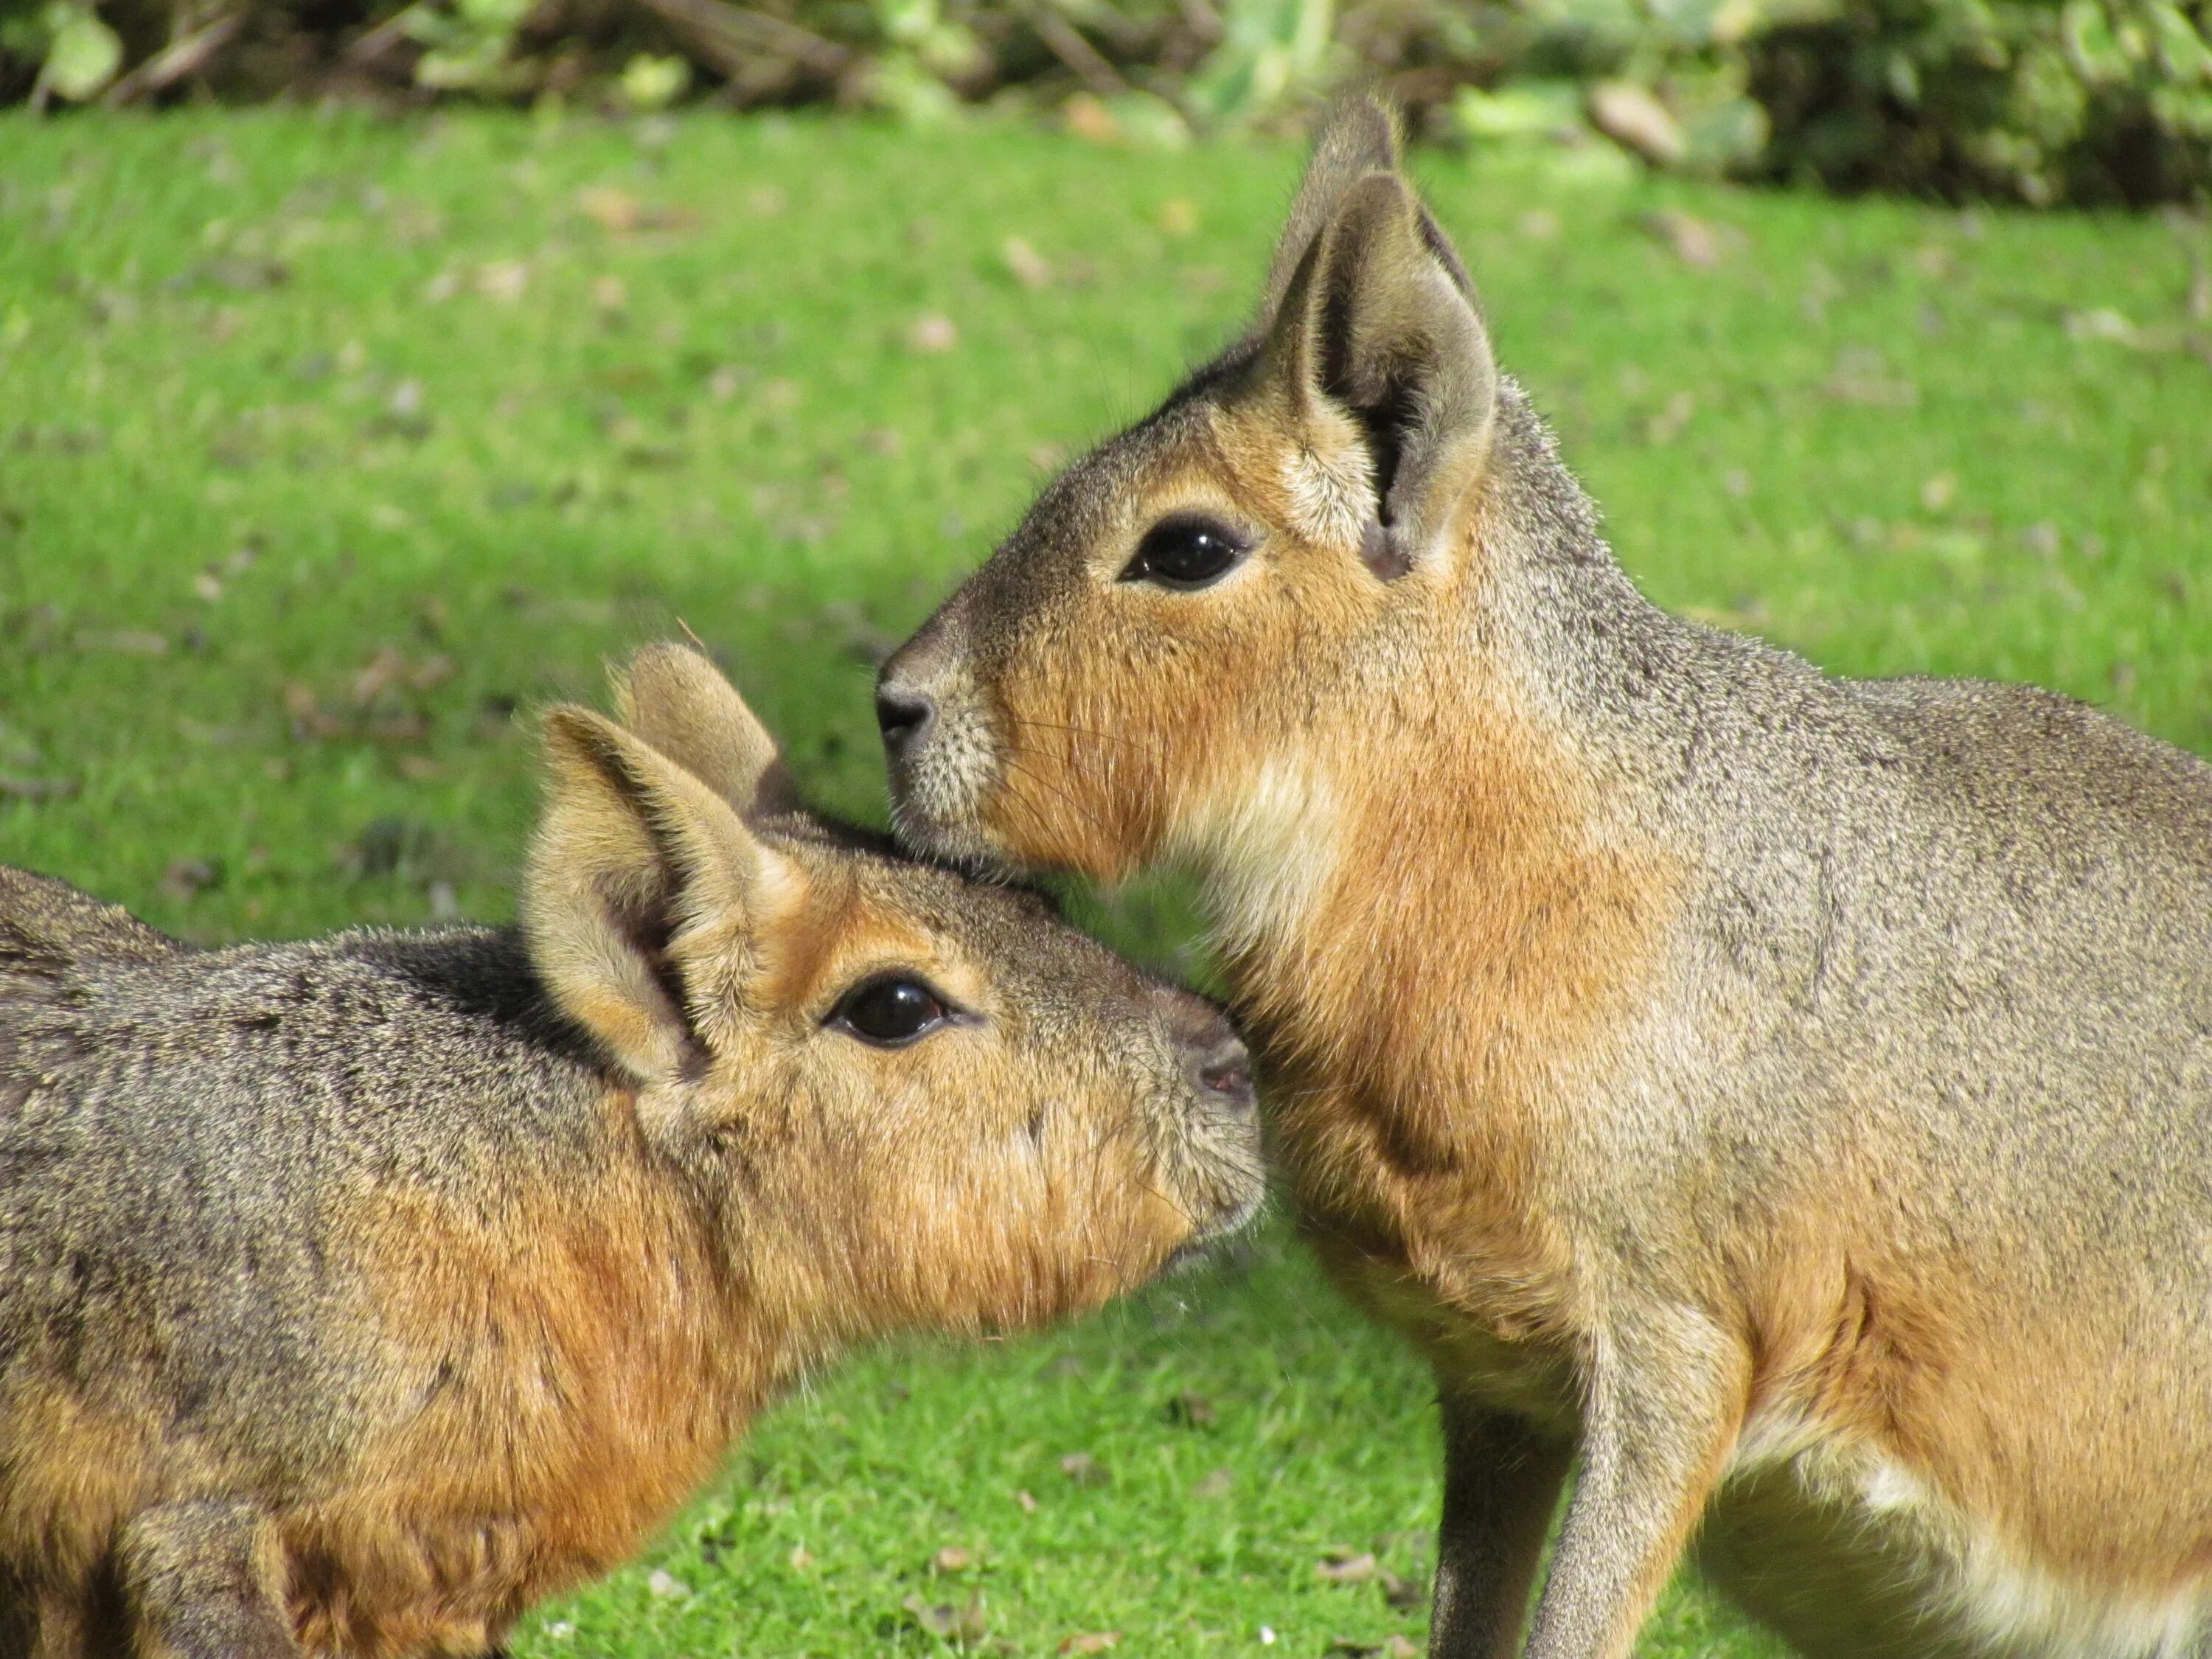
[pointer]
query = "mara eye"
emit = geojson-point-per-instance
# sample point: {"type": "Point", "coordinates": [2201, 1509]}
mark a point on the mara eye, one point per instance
{"type": "Point", "coordinates": [890, 1011]}
{"type": "Point", "coordinates": [1186, 553]}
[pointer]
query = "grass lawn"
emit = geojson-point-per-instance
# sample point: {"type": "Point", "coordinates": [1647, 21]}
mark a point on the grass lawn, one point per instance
{"type": "Point", "coordinates": [328, 445]}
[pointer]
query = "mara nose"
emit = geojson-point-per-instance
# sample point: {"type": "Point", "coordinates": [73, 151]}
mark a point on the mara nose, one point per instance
{"type": "Point", "coordinates": [1221, 1067]}
{"type": "Point", "coordinates": [902, 716]}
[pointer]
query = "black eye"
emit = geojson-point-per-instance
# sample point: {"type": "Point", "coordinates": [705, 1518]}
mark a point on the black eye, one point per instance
{"type": "Point", "coordinates": [1185, 553]}
{"type": "Point", "coordinates": [890, 1011]}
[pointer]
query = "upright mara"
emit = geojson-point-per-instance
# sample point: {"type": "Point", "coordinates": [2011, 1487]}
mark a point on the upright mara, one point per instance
{"type": "Point", "coordinates": [1785, 1100]}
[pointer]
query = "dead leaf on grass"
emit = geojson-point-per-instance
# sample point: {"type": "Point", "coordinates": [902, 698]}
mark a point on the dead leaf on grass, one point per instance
{"type": "Point", "coordinates": [1341, 1566]}
{"type": "Point", "coordinates": [309, 719]}
{"type": "Point", "coordinates": [966, 1623]}
{"type": "Point", "coordinates": [2101, 323]}
{"type": "Point", "coordinates": [1861, 377]}
{"type": "Point", "coordinates": [1091, 1642]}
{"type": "Point", "coordinates": [1632, 117]}
{"type": "Point", "coordinates": [1666, 425]}
{"type": "Point", "coordinates": [620, 214]}
{"type": "Point", "coordinates": [187, 878]}
{"type": "Point", "coordinates": [124, 641]}
{"type": "Point", "coordinates": [1027, 266]}
{"type": "Point", "coordinates": [1695, 242]}
{"type": "Point", "coordinates": [1191, 1411]}
{"type": "Point", "coordinates": [953, 1559]}
{"type": "Point", "coordinates": [1216, 1485]}
{"type": "Point", "coordinates": [616, 211]}
{"type": "Point", "coordinates": [1085, 1470]}
{"type": "Point", "coordinates": [245, 276]}
{"type": "Point", "coordinates": [384, 667]}
{"type": "Point", "coordinates": [932, 332]}
{"type": "Point", "coordinates": [504, 280]}
{"type": "Point", "coordinates": [1087, 117]}
{"type": "Point", "coordinates": [1403, 1594]}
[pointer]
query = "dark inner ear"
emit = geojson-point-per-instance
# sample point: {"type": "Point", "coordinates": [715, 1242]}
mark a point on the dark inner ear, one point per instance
{"type": "Point", "coordinates": [1379, 320]}
{"type": "Point", "coordinates": [647, 926]}
{"type": "Point", "coordinates": [1384, 423]}
{"type": "Point", "coordinates": [1383, 419]}
{"type": "Point", "coordinates": [1439, 244]}
{"type": "Point", "coordinates": [644, 912]}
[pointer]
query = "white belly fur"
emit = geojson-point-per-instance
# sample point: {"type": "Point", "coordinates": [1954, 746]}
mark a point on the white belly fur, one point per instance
{"type": "Point", "coordinates": [1843, 1551]}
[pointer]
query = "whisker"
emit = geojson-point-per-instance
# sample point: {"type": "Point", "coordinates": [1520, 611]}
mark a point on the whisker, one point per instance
{"type": "Point", "coordinates": [1122, 737]}
{"type": "Point", "coordinates": [1074, 805]}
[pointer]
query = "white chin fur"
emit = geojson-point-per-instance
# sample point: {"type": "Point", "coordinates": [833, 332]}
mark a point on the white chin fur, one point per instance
{"type": "Point", "coordinates": [1265, 850]}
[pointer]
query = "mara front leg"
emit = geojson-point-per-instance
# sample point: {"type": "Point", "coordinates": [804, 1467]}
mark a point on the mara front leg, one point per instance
{"type": "Point", "coordinates": [1502, 1481]}
{"type": "Point", "coordinates": [1663, 1397]}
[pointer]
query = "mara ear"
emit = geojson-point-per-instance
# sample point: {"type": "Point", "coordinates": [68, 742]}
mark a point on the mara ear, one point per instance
{"type": "Point", "coordinates": [1377, 324]}
{"type": "Point", "coordinates": [1359, 137]}
{"type": "Point", "coordinates": [647, 901]}
{"type": "Point", "coordinates": [678, 702]}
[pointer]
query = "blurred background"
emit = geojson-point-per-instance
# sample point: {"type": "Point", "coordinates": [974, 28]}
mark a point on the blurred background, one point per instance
{"type": "Point", "coordinates": [371, 374]}
{"type": "Point", "coordinates": [2036, 100]}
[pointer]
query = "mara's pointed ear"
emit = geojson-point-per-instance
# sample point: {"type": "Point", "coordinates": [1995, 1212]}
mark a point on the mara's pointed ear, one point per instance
{"type": "Point", "coordinates": [647, 903]}
{"type": "Point", "coordinates": [1377, 323]}
{"type": "Point", "coordinates": [678, 702]}
{"type": "Point", "coordinates": [1359, 137]}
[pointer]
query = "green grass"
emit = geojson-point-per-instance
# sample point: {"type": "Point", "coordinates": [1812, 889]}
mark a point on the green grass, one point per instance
{"type": "Point", "coordinates": [327, 444]}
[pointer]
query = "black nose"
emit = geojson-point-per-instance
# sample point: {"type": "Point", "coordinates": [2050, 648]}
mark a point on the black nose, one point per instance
{"type": "Point", "coordinates": [902, 716]}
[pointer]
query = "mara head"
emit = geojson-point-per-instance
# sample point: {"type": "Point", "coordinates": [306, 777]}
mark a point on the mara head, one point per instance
{"type": "Point", "coordinates": [1162, 660]}
{"type": "Point", "coordinates": [913, 1099]}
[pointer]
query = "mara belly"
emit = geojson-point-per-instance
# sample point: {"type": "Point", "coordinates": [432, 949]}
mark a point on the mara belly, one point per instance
{"type": "Point", "coordinates": [1844, 1551]}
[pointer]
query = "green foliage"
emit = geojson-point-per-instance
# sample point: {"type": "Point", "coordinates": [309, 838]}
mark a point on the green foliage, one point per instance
{"type": "Point", "coordinates": [2091, 101]}
{"type": "Point", "coordinates": [77, 54]}
{"type": "Point", "coordinates": [1271, 51]}
{"type": "Point", "coordinates": [467, 45]}
{"type": "Point", "coordinates": [2038, 101]}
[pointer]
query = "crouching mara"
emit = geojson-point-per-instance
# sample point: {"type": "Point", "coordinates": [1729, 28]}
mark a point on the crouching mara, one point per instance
{"type": "Point", "coordinates": [355, 1293]}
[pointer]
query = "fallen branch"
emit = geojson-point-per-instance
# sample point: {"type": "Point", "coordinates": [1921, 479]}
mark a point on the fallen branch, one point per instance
{"type": "Point", "coordinates": [732, 39]}
{"type": "Point", "coordinates": [175, 61]}
{"type": "Point", "coordinates": [1062, 39]}
{"type": "Point", "coordinates": [385, 35]}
